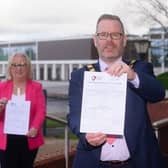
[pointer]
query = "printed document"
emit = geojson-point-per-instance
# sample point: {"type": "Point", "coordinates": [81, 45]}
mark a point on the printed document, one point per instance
{"type": "Point", "coordinates": [103, 103]}
{"type": "Point", "coordinates": [17, 117]}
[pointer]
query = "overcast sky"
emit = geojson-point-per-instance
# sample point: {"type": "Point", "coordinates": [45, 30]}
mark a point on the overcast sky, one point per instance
{"type": "Point", "coordinates": [38, 19]}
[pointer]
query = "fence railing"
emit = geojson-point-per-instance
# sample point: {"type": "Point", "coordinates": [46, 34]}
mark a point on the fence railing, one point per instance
{"type": "Point", "coordinates": [56, 69]}
{"type": "Point", "coordinates": [51, 70]}
{"type": "Point", "coordinates": [66, 136]}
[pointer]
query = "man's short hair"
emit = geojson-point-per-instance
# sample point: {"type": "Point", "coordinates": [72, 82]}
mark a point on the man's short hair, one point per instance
{"type": "Point", "coordinates": [109, 17]}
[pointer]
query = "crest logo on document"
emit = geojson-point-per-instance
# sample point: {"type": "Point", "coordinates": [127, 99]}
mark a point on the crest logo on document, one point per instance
{"type": "Point", "coordinates": [93, 78]}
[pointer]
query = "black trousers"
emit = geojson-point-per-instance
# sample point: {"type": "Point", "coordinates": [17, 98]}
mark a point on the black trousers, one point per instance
{"type": "Point", "coordinates": [17, 154]}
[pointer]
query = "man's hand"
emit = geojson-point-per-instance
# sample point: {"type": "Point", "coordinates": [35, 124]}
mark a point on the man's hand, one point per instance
{"type": "Point", "coordinates": [95, 139]}
{"type": "Point", "coordinates": [118, 69]}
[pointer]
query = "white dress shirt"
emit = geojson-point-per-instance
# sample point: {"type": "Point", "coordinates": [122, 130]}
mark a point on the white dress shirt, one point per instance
{"type": "Point", "coordinates": [118, 150]}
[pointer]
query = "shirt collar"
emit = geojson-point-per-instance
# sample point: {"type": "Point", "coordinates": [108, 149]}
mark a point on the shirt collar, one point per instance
{"type": "Point", "coordinates": [104, 66]}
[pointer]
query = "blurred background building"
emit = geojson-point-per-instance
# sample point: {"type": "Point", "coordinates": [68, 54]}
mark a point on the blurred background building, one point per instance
{"type": "Point", "coordinates": [77, 51]}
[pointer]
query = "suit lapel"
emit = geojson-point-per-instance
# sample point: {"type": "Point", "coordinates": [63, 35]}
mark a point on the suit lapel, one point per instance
{"type": "Point", "coordinates": [97, 66]}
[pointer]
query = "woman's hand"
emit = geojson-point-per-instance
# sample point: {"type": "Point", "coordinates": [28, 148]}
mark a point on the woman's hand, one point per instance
{"type": "Point", "coordinates": [32, 132]}
{"type": "Point", "coordinates": [3, 102]}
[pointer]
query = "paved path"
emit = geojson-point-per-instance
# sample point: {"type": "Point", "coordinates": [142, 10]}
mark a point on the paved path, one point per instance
{"type": "Point", "coordinates": [57, 97]}
{"type": "Point", "coordinates": [53, 147]}
{"type": "Point", "coordinates": [56, 88]}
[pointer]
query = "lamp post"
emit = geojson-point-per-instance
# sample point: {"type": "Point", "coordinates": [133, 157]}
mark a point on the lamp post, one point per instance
{"type": "Point", "coordinates": [142, 47]}
{"type": "Point", "coordinates": [163, 51]}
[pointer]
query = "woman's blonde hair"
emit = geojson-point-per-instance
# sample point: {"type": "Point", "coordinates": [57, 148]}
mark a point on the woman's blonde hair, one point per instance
{"type": "Point", "coordinates": [28, 64]}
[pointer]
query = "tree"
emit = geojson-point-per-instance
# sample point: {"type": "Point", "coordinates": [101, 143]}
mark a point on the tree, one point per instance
{"type": "Point", "coordinates": [154, 12]}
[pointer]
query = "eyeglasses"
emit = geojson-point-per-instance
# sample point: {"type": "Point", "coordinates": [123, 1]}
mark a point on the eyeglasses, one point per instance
{"type": "Point", "coordinates": [18, 65]}
{"type": "Point", "coordinates": [113, 36]}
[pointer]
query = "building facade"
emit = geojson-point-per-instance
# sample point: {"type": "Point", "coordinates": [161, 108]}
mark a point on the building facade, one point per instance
{"type": "Point", "coordinates": [159, 45]}
{"type": "Point", "coordinates": [62, 49]}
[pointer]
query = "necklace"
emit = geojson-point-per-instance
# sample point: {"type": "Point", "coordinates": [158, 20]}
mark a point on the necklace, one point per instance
{"type": "Point", "coordinates": [18, 90]}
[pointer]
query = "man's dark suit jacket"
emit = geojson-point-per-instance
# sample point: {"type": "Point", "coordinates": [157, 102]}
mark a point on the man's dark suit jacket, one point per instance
{"type": "Point", "coordinates": [140, 138]}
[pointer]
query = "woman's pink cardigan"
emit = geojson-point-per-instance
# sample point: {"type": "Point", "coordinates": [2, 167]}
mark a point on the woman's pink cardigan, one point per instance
{"type": "Point", "coordinates": [34, 94]}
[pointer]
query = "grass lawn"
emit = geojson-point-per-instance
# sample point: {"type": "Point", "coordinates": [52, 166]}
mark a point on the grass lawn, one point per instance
{"type": "Point", "coordinates": [163, 78]}
{"type": "Point", "coordinates": [55, 124]}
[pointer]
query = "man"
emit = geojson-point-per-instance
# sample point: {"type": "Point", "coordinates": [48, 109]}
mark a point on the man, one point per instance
{"type": "Point", "coordinates": [138, 148]}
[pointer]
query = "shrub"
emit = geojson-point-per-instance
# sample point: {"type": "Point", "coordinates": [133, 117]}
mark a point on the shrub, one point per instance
{"type": "Point", "coordinates": [163, 78]}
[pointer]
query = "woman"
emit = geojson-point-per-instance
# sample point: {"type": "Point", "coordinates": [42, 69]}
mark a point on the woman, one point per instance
{"type": "Point", "coordinates": [19, 151]}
